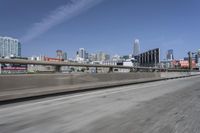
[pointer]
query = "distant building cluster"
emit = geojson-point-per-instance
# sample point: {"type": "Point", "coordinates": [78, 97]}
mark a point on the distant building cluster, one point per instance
{"type": "Point", "coordinates": [83, 56]}
{"type": "Point", "coordinates": [171, 62]}
{"type": "Point", "coordinates": [11, 48]}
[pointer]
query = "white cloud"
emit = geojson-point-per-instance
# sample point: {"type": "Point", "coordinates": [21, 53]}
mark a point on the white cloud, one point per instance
{"type": "Point", "coordinates": [61, 14]}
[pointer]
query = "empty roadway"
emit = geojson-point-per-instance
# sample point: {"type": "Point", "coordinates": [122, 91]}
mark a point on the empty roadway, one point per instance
{"type": "Point", "coordinates": [171, 106]}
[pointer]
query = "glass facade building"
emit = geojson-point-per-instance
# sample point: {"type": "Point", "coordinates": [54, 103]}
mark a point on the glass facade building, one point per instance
{"type": "Point", "coordinates": [9, 47]}
{"type": "Point", "coordinates": [170, 54]}
{"type": "Point", "coordinates": [136, 47]}
{"type": "Point", "coordinates": [82, 53]}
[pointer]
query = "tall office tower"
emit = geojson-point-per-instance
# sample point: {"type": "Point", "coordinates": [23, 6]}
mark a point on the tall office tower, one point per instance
{"type": "Point", "coordinates": [107, 57]}
{"type": "Point", "coordinates": [64, 56]}
{"type": "Point", "coordinates": [136, 47]}
{"type": "Point", "coordinates": [198, 58]}
{"type": "Point", "coordinates": [170, 54]}
{"type": "Point", "coordinates": [86, 55]}
{"type": "Point", "coordinates": [9, 47]}
{"type": "Point", "coordinates": [59, 54]}
{"type": "Point", "coordinates": [100, 56]}
{"type": "Point", "coordinates": [82, 53]}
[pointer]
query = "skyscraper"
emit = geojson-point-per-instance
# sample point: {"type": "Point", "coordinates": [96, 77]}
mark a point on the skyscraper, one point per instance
{"type": "Point", "coordinates": [82, 53]}
{"type": "Point", "coordinates": [59, 54]}
{"type": "Point", "coordinates": [136, 47]}
{"type": "Point", "coordinates": [170, 54]}
{"type": "Point", "coordinates": [9, 47]}
{"type": "Point", "coordinates": [65, 56]}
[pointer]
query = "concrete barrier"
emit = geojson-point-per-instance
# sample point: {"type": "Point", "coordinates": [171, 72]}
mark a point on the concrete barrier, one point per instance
{"type": "Point", "coordinates": [38, 81]}
{"type": "Point", "coordinates": [22, 86]}
{"type": "Point", "coordinates": [177, 74]}
{"type": "Point", "coordinates": [174, 74]}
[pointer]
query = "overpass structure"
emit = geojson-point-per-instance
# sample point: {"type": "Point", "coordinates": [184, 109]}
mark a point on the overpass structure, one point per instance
{"type": "Point", "coordinates": [59, 64]}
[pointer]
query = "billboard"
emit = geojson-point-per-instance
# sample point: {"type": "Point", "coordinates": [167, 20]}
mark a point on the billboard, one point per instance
{"type": "Point", "coordinates": [53, 59]}
{"type": "Point", "coordinates": [14, 68]}
{"type": "Point", "coordinates": [150, 58]}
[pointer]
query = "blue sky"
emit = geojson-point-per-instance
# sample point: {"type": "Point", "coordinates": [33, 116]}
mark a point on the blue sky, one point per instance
{"type": "Point", "coordinates": [111, 26]}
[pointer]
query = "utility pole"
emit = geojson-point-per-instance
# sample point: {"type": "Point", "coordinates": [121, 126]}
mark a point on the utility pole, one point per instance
{"type": "Point", "coordinates": [155, 60]}
{"type": "Point", "coordinates": [0, 68]}
{"type": "Point", "coordinates": [190, 60]}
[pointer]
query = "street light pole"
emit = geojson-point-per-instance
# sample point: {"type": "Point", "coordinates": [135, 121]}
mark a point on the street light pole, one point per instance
{"type": "Point", "coordinates": [190, 60]}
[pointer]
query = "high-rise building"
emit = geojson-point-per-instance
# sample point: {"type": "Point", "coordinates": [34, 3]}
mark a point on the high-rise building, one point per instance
{"type": "Point", "coordinates": [9, 47]}
{"type": "Point", "coordinates": [101, 56]}
{"type": "Point", "coordinates": [59, 54]}
{"type": "Point", "coordinates": [107, 57]}
{"type": "Point", "coordinates": [65, 56]}
{"type": "Point", "coordinates": [82, 53]}
{"type": "Point", "coordinates": [198, 58]}
{"type": "Point", "coordinates": [136, 47]}
{"type": "Point", "coordinates": [86, 55]}
{"type": "Point", "coordinates": [170, 54]}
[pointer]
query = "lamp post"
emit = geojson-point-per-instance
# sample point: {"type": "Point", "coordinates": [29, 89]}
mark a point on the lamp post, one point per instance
{"type": "Point", "coordinates": [190, 60]}
{"type": "Point", "coordinates": [190, 55]}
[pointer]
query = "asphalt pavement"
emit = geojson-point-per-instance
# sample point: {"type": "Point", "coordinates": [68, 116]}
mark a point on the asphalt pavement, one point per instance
{"type": "Point", "coordinates": [171, 106]}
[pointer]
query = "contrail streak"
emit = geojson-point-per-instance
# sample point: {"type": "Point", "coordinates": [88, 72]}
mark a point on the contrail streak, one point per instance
{"type": "Point", "coordinates": [61, 14]}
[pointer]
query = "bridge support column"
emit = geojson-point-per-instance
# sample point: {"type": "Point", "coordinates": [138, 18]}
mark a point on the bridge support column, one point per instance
{"type": "Point", "coordinates": [0, 68]}
{"type": "Point", "coordinates": [137, 69]}
{"type": "Point", "coordinates": [131, 69]}
{"type": "Point", "coordinates": [96, 70]}
{"type": "Point", "coordinates": [58, 69]}
{"type": "Point", "coordinates": [190, 60]}
{"type": "Point", "coordinates": [110, 70]}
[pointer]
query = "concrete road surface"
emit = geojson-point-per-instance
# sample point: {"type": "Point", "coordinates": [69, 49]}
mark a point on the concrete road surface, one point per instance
{"type": "Point", "coordinates": [171, 106]}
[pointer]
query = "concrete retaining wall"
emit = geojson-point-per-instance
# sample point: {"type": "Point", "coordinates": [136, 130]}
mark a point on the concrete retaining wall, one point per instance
{"type": "Point", "coordinates": [20, 86]}
{"type": "Point", "coordinates": [177, 74]}
{"type": "Point", "coordinates": [38, 81]}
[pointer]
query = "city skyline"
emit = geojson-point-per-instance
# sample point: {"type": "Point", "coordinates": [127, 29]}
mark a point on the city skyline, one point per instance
{"type": "Point", "coordinates": [81, 54]}
{"type": "Point", "coordinates": [108, 26]}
